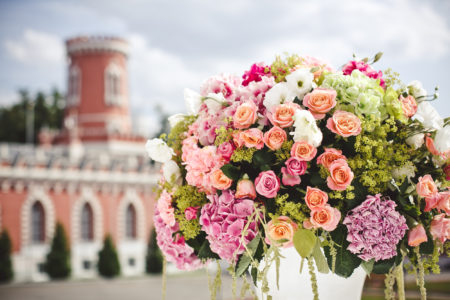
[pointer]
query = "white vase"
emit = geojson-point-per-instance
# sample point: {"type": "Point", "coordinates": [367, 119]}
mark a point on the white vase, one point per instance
{"type": "Point", "coordinates": [296, 285]}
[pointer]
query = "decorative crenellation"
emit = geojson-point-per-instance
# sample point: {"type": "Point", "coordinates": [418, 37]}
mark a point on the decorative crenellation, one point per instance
{"type": "Point", "coordinates": [96, 43]}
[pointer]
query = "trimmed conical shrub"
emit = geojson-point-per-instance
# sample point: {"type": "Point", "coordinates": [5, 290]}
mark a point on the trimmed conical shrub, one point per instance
{"type": "Point", "coordinates": [154, 259]}
{"type": "Point", "coordinates": [6, 271]}
{"type": "Point", "coordinates": [108, 261]}
{"type": "Point", "coordinates": [57, 265]}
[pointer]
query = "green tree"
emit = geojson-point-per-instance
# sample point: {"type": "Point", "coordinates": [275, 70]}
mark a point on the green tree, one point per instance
{"type": "Point", "coordinates": [108, 261]}
{"type": "Point", "coordinates": [57, 265]}
{"type": "Point", "coordinates": [6, 271]}
{"type": "Point", "coordinates": [154, 259]}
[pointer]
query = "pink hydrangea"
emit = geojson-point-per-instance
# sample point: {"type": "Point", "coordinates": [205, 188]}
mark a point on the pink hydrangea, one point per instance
{"type": "Point", "coordinates": [173, 246]}
{"type": "Point", "coordinates": [365, 68]}
{"type": "Point", "coordinates": [375, 228]}
{"type": "Point", "coordinates": [255, 73]}
{"type": "Point", "coordinates": [165, 208]}
{"type": "Point", "coordinates": [223, 220]}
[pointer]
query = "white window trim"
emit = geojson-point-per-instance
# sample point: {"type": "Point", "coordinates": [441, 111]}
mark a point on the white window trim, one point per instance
{"type": "Point", "coordinates": [73, 99]}
{"type": "Point", "coordinates": [110, 98]}
{"type": "Point", "coordinates": [87, 196]}
{"type": "Point", "coordinates": [133, 198]}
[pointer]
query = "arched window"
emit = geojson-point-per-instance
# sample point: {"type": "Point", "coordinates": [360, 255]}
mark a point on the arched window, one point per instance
{"type": "Point", "coordinates": [74, 86]}
{"type": "Point", "coordinates": [113, 88]}
{"type": "Point", "coordinates": [37, 223]}
{"type": "Point", "coordinates": [130, 222]}
{"type": "Point", "coordinates": [87, 223]}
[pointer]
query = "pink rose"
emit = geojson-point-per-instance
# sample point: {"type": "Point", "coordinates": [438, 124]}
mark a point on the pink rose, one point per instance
{"type": "Point", "coordinates": [245, 115]}
{"type": "Point", "coordinates": [431, 202]}
{"type": "Point", "coordinates": [226, 150]}
{"type": "Point", "coordinates": [340, 175]}
{"type": "Point", "coordinates": [253, 138]}
{"type": "Point", "coordinates": [281, 115]}
{"type": "Point", "coordinates": [444, 202]}
{"type": "Point", "coordinates": [191, 212]}
{"type": "Point", "coordinates": [289, 179]}
{"type": "Point", "coordinates": [344, 123]}
{"type": "Point", "coordinates": [296, 166]}
{"type": "Point", "coordinates": [315, 198]}
{"type": "Point", "coordinates": [219, 180]}
{"type": "Point", "coordinates": [409, 106]}
{"type": "Point", "coordinates": [326, 217]}
{"type": "Point", "coordinates": [281, 229]}
{"type": "Point", "coordinates": [329, 156]}
{"type": "Point", "coordinates": [440, 228]}
{"type": "Point", "coordinates": [267, 184]}
{"type": "Point", "coordinates": [429, 142]}
{"type": "Point", "coordinates": [274, 138]}
{"type": "Point", "coordinates": [320, 101]}
{"type": "Point", "coordinates": [426, 187]}
{"type": "Point", "coordinates": [303, 150]}
{"type": "Point", "coordinates": [237, 139]}
{"type": "Point", "coordinates": [245, 189]}
{"type": "Point", "coordinates": [417, 236]}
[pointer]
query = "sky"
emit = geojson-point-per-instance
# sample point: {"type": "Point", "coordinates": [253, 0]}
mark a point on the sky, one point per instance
{"type": "Point", "coordinates": [178, 44]}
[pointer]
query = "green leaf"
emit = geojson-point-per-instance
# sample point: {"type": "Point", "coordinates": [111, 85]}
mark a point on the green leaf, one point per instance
{"type": "Point", "coordinates": [262, 159]}
{"type": "Point", "coordinates": [377, 56]}
{"type": "Point", "coordinates": [246, 258]}
{"type": "Point", "coordinates": [231, 171]}
{"type": "Point", "coordinates": [368, 266]}
{"type": "Point", "coordinates": [321, 261]}
{"type": "Point", "coordinates": [304, 241]}
{"type": "Point", "coordinates": [205, 251]}
{"type": "Point", "coordinates": [346, 261]}
{"type": "Point", "coordinates": [254, 273]}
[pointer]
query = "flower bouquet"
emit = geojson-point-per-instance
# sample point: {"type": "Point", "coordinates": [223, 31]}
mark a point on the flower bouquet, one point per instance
{"type": "Point", "coordinates": [350, 167]}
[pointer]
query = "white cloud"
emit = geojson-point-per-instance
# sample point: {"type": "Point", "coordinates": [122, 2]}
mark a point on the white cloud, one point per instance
{"type": "Point", "coordinates": [36, 48]}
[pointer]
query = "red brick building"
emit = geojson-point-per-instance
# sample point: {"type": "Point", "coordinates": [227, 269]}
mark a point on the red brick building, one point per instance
{"type": "Point", "coordinates": [93, 176]}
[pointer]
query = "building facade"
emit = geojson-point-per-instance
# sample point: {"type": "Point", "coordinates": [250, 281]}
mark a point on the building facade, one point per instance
{"type": "Point", "coordinates": [93, 176]}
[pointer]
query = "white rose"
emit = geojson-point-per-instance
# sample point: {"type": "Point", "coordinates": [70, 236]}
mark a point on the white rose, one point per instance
{"type": "Point", "coordinates": [175, 119]}
{"type": "Point", "coordinates": [442, 139]}
{"type": "Point", "coordinates": [279, 93]}
{"type": "Point", "coordinates": [300, 82]}
{"type": "Point", "coordinates": [171, 169]}
{"type": "Point", "coordinates": [428, 115]}
{"type": "Point", "coordinates": [416, 89]}
{"type": "Point", "coordinates": [158, 150]}
{"type": "Point", "coordinates": [416, 141]}
{"type": "Point", "coordinates": [306, 128]}
{"type": "Point", "coordinates": [214, 102]}
{"type": "Point", "coordinates": [193, 101]}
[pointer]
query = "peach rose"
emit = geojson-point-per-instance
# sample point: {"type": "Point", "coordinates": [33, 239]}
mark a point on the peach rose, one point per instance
{"type": "Point", "coordinates": [303, 150]}
{"type": "Point", "coordinates": [275, 137]}
{"type": "Point", "coordinates": [252, 138]}
{"type": "Point", "coordinates": [281, 115]}
{"type": "Point", "coordinates": [429, 142]}
{"type": "Point", "coordinates": [340, 175]}
{"type": "Point", "coordinates": [315, 198]}
{"type": "Point", "coordinates": [426, 187]}
{"type": "Point", "coordinates": [409, 106]}
{"type": "Point", "coordinates": [417, 236]}
{"type": "Point", "coordinates": [245, 189]}
{"type": "Point", "coordinates": [320, 101]}
{"type": "Point", "coordinates": [329, 156]}
{"type": "Point", "coordinates": [237, 140]}
{"type": "Point", "coordinates": [431, 202]}
{"type": "Point", "coordinates": [344, 123]}
{"type": "Point", "coordinates": [440, 228]}
{"type": "Point", "coordinates": [219, 180]}
{"type": "Point", "coordinates": [281, 229]}
{"type": "Point", "coordinates": [326, 217]}
{"type": "Point", "coordinates": [245, 115]}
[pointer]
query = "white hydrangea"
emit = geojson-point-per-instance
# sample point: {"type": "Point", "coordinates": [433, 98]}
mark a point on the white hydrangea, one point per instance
{"type": "Point", "coordinates": [171, 170]}
{"type": "Point", "coordinates": [193, 101]}
{"type": "Point", "coordinates": [306, 128]}
{"type": "Point", "coordinates": [158, 150]}
{"type": "Point", "coordinates": [442, 139]}
{"type": "Point", "coordinates": [416, 89]}
{"type": "Point", "coordinates": [428, 116]}
{"type": "Point", "coordinates": [416, 141]}
{"type": "Point", "coordinates": [300, 82]}
{"type": "Point", "coordinates": [278, 94]}
{"type": "Point", "coordinates": [407, 170]}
